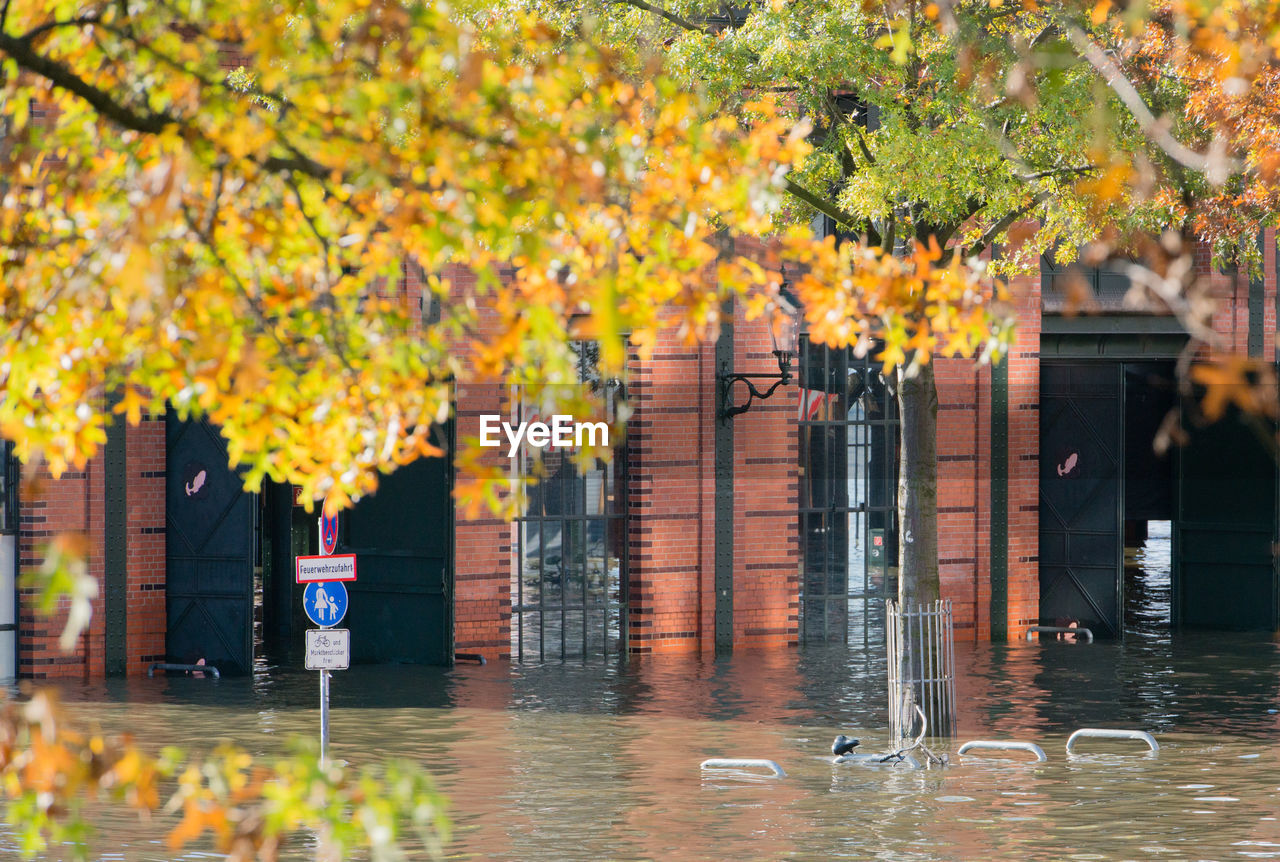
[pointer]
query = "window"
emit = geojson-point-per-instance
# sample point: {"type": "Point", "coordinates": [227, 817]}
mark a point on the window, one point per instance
{"type": "Point", "coordinates": [1070, 287]}
{"type": "Point", "coordinates": [569, 548]}
{"type": "Point", "coordinates": [10, 475]}
{"type": "Point", "coordinates": [848, 495]}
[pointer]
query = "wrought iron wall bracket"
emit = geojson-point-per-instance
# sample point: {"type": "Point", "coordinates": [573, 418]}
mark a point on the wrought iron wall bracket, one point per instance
{"type": "Point", "coordinates": [726, 379]}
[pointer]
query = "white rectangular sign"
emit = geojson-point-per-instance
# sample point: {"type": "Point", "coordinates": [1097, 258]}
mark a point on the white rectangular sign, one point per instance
{"type": "Point", "coordinates": [328, 649]}
{"type": "Point", "coordinates": [339, 567]}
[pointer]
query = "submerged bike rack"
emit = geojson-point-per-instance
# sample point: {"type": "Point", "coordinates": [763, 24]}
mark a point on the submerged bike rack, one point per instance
{"type": "Point", "coordinates": [1087, 634]}
{"type": "Point", "coordinates": [744, 763]}
{"type": "Point", "coordinates": [1004, 745]}
{"type": "Point", "coordinates": [1104, 733]}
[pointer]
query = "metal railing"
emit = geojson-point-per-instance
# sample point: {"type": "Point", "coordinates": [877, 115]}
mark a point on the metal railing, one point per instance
{"type": "Point", "coordinates": [193, 669]}
{"type": "Point", "coordinates": [921, 668]}
{"type": "Point", "coordinates": [743, 763]}
{"type": "Point", "coordinates": [1004, 745]}
{"type": "Point", "coordinates": [1107, 733]}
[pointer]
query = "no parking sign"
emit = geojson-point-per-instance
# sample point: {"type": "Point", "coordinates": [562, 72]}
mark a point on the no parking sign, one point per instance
{"type": "Point", "coordinates": [328, 533]}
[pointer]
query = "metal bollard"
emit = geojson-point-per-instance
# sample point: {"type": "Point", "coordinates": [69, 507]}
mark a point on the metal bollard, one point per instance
{"type": "Point", "coordinates": [1010, 745]}
{"type": "Point", "coordinates": [1104, 733]}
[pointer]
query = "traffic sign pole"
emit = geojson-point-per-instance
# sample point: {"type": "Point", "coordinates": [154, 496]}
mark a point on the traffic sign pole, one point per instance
{"type": "Point", "coordinates": [328, 527]}
{"type": "Point", "coordinates": [324, 718]}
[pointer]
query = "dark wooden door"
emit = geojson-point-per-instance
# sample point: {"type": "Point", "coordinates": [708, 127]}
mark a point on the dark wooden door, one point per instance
{"type": "Point", "coordinates": [209, 551]}
{"type": "Point", "coordinates": [400, 609]}
{"type": "Point", "coordinates": [1081, 488]}
{"type": "Point", "coordinates": [1224, 534]}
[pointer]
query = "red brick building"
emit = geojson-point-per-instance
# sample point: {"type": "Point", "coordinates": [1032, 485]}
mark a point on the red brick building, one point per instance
{"type": "Point", "coordinates": [763, 530]}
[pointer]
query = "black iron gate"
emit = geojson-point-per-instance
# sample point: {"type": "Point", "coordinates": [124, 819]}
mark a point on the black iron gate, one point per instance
{"type": "Point", "coordinates": [208, 551]}
{"type": "Point", "coordinates": [1081, 494]}
{"type": "Point", "coordinates": [1224, 534]}
{"type": "Point", "coordinates": [848, 502]}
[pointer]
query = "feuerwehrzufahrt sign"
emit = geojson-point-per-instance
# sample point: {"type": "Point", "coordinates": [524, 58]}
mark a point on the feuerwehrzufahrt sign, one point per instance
{"type": "Point", "coordinates": [315, 567]}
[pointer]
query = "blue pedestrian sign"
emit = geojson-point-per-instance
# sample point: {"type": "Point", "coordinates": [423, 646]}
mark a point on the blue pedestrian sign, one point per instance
{"type": "Point", "coordinates": [325, 602]}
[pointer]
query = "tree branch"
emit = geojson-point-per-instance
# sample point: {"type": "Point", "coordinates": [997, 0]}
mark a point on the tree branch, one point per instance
{"type": "Point", "coordinates": [822, 205]}
{"type": "Point", "coordinates": [126, 117]}
{"type": "Point", "coordinates": [1003, 224]}
{"type": "Point", "coordinates": [1216, 166]}
{"type": "Point", "coordinates": [862, 145]}
{"type": "Point", "coordinates": [683, 23]}
{"type": "Point", "coordinates": [49, 26]}
{"type": "Point", "coordinates": [20, 51]}
{"type": "Point", "coordinates": [1044, 34]}
{"type": "Point", "coordinates": [890, 239]}
{"type": "Point", "coordinates": [1056, 172]}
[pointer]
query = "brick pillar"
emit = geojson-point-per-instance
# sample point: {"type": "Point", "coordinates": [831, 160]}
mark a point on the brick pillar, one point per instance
{"type": "Point", "coordinates": [964, 490]}
{"type": "Point", "coordinates": [671, 498]}
{"type": "Point", "coordinates": [71, 505]}
{"type": "Point", "coordinates": [766, 489]}
{"type": "Point", "coordinates": [146, 620]}
{"type": "Point", "coordinates": [1024, 459]}
{"type": "Point", "coordinates": [482, 547]}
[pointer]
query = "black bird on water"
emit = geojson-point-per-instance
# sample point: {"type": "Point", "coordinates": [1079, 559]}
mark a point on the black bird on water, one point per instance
{"type": "Point", "coordinates": [843, 745]}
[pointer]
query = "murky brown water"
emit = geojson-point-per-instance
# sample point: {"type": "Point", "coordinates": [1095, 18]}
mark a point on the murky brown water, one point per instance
{"type": "Point", "coordinates": [600, 761]}
{"type": "Point", "coordinates": [594, 762]}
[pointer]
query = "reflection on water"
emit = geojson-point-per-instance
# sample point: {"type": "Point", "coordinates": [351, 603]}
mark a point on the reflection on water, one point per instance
{"type": "Point", "coordinates": [595, 761]}
{"type": "Point", "coordinates": [1148, 583]}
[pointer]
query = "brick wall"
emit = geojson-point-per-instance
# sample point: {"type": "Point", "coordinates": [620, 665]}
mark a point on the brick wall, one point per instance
{"type": "Point", "coordinates": [51, 508]}
{"type": "Point", "coordinates": [964, 478]}
{"type": "Point", "coordinates": [482, 543]}
{"type": "Point", "coordinates": [671, 502]}
{"type": "Point", "coordinates": [74, 506]}
{"type": "Point", "coordinates": [1269, 298]}
{"type": "Point", "coordinates": [671, 498]}
{"type": "Point", "coordinates": [1024, 460]}
{"type": "Point", "coordinates": [964, 493]}
{"type": "Point", "coordinates": [145, 578]}
{"type": "Point", "coordinates": [766, 499]}
{"type": "Point", "coordinates": [671, 523]}
{"type": "Point", "coordinates": [482, 549]}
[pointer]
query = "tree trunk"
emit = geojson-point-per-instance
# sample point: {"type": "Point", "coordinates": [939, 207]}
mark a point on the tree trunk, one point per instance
{"type": "Point", "coordinates": [917, 546]}
{"type": "Point", "coordinates": [918, 489]}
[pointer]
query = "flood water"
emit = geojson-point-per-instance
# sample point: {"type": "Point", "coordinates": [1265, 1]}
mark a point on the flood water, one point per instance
{"type": "Point", "coordinates": [600, 760]}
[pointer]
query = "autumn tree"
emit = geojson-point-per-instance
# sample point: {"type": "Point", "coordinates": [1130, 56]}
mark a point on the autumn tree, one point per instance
{"type": "Point", "coordinates": [230, 243]}
{"type": "Point", "coordinates": [987, 131]}
{"type": "Point", "coordinates": [208, 206]}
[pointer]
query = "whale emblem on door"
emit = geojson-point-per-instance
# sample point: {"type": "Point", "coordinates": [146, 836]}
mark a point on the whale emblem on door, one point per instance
{"type": "Point", "coordinates": [1065, 468]}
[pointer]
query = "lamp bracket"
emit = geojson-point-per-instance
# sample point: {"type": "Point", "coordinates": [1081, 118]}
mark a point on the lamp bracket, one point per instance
{"type": "Point", "coordinates": [727, 379]}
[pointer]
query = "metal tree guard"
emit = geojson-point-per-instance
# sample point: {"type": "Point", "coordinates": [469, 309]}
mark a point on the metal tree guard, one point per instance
{"type": "Point", "coordinates": [921, 669]}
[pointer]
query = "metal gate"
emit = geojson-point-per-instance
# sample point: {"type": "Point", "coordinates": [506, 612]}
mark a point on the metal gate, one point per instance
{"type": "Point", "coordinates": [1224, 534]}
{"type": "Point", "coordinates": [848, 495]}
{"type": "Point", "coordinates": [208, 551]}
{"type": "Point", "coordinates": [400, 609]}
{"type": "Point", "coordinates": [1081, 494]}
